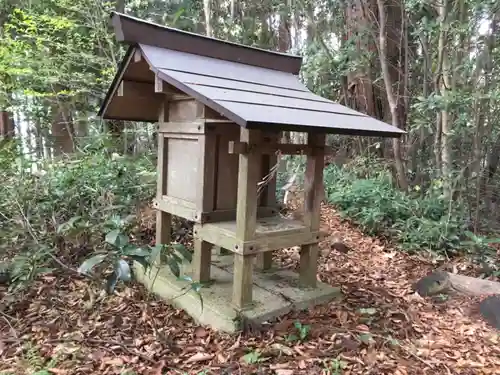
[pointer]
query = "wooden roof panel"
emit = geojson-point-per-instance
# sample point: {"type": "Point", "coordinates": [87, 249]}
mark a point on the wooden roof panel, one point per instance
{"type": "Point", "coordinates": [226, 94]}
{"type": "Point", "coordinates": [207, 66]}
{"type": "Point", "coordinates": [209, 81]}
{"type": "Point", "coordinates": [265, 116]}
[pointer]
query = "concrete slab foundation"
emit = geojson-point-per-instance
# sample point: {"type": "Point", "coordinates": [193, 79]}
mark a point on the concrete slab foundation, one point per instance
{"type": "Point", "coordinates": [275, 293]}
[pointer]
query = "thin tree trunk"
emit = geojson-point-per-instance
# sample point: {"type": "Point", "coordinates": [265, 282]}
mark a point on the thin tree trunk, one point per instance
{"type": "Point", "coordinates": [444, 86]}
{"type": "Point", "coordinates": [393, 102]}
{"type": "Point", "coordinates": [208, 19]}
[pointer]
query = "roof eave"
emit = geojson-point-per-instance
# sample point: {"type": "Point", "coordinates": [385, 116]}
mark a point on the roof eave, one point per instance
{"type": "Point", "coordinates": [116, 82]}
{"type": "Point", "coordinates": [132, 30]}
{"type": "Point", "coordinates": [320, 129]}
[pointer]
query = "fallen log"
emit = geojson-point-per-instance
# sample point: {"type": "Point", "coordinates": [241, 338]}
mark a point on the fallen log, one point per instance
{"type": "Point", "coordinates": [441, 282]}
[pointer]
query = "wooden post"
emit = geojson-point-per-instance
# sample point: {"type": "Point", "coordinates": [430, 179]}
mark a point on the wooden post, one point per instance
{"type": "Point", "coordinates": [201, 260]}
{"type": "Point", "coordinates": [312, 206]}
{"type": "Point", "coordinates": [268, 198]}
{"type": "Point", "coordinates": [246, 218]}
{"type": "Point", "coordinates": [163, 219]}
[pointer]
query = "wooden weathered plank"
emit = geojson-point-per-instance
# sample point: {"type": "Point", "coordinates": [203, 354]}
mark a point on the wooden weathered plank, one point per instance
{"type": "Point", "coordinates": [183, 110]}
{"type": "Point", "coordinates": [242, 281]}
{"type": "Point", "coordinates": [262, 116]}
{"type": "Point", "coordinates": [183, 176]}
{"type": "Point", "coordinates": [227, 172]}
{"type": "Point", "coordinates": [246, 218]}
{"type": "Point", "coordinates": [207, 170]}
{"type": "Point", "coordinates": [133, 30]}
{"type": "Point", "coordinates": [267, 194]}
{"type": "Point", "coordinates": [184, 62]}
{"type": "Point", "coordinates": [163, 219]}
{"type": "Point", "coordinates": [182, 127]}
{"type": "Point", "coordinates": [137, 55]}
{"type": "Point", "coordinates": [236, 147]}
{"type": "Point", "coordinates": [193, 78]}
{"type": "Point", "coordinates": [201, 260]}
{"type": "Point", "coordinates": [248, 177]}
{"type": "Point", "coordinates": [223, 94]}
{"type": "Point", "coordinates": [176, 207]}
{"type": "Point", "coordinates": [312, 206]}
{"type": "Point", "coordinates": [162, 166]}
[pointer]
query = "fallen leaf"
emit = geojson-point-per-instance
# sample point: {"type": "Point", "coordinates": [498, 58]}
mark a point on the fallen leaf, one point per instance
{"type": "Point", "coordinates": [200, 332]}
{"type": "Point", "coordinates": [282, 348]}
{"type": "Point", "coordinates": [363, 328]}
{"type": "Point", "coordinates": [58, 371]}
{"type": "Point", "coordinates": [113, 361]}
{"type": "Point", "coordinates": [199, 357]}
{"type": "Point", "coordinates": [157, 370]}
{"type": "Point", "coordinates": [283, 372]}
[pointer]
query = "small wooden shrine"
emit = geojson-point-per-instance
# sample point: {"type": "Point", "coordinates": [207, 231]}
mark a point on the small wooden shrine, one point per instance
{"type": "Point", "coordinates": [220, 108]}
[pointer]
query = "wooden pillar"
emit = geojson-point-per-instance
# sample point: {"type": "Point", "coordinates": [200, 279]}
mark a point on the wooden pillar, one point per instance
{"type": "Point", "coordinates": [202, 255]}
{"type": "Point", "coordinates": [201, 260]}
{"type": "Point", "coordinates": [268, 196]}
{"type": "Point", "coordinates": [312, 206]}
{"type": "Point", "coordinates": [163, 219]}
{"type": "Point", "coordinates": [246, 217]}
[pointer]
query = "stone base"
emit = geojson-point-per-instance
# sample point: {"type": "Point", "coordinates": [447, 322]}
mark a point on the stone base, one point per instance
{"type": "Point", "coordinates": [275, 293]}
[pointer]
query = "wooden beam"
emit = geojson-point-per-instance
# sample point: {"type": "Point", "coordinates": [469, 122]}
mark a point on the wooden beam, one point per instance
{"type": "Point", "coordinates": [197, 127]}
{"type": "Point", "coordinates": [162, 87]}
{"type": "Point", "coordinates": [312, 205]}
{"type": "Point", "coordinates": [135, 88]}
{"type": "Point", "coordinates": [163, 219]}
{"type": "Point", "coordinates": [246, 218]}
{"type": "Point", "coordinates": [134, 30]}
{"type": "Point", "coordinates": [158, 84]}
{"type": "Point", "coordinates": [137, 55]}
{"type": "Point", "coordinates": [268, 195]}
{"type": "Point", "coordinates": [201, 260]}
{"type": "Point", "coordinates": [242, 148]}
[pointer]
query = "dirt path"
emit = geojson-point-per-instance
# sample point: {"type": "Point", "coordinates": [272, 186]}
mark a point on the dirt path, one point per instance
{"type": "Point", "coordinates": [379, 327]}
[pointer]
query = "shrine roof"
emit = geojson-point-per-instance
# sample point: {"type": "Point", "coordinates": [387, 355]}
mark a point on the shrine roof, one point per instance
{"type": "Point", "coordinates": [255, 88]}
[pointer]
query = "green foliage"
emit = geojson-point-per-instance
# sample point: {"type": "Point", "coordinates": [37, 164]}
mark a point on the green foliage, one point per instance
{"type": "Point", "coordinates": [70, 204]}
{"type": "Point", "coordinates": [253, 357]}
{"type": "Point", "coordinates": [417, 222]}
{"type": "Point", "coordinates": [335, 366]}
{"type": "Point", "coordinates": [302, 331]}
{"type": "Point", "coordinates": [119, 252]}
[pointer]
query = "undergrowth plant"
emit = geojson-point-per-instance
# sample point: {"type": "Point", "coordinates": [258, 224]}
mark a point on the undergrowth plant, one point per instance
{"type": "Point", "coordinates": [420, 220]}
{"type": "Point", "coordinates": [65, 208]}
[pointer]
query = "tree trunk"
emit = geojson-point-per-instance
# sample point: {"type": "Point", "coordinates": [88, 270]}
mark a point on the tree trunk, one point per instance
{"type": "Point", "coordinates": [444, 86]}
{"type": "Point", "coordinates": [397, 115]}
{"type": "Point", "coordinates": [7, 128]}
{"type": "Point", "coordinates": [62, 128]}
{"type": "Point", "coordinates": [208, 18]}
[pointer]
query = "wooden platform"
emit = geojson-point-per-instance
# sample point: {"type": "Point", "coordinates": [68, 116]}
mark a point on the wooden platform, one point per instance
{"type": "Point", "coordinates": [276, 292]}
{"type": "Point", "coordinates": [272, 233]}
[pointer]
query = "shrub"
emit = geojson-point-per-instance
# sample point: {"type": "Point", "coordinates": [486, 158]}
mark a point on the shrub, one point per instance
{"type": "Point", "coordinates": [69, 204]}
{"type": "Point", "coordinates": [416, 222]}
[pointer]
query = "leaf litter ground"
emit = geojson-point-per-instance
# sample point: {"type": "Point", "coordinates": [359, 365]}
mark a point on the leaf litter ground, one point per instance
{"type": "Point", "coordinates": [379, 326]}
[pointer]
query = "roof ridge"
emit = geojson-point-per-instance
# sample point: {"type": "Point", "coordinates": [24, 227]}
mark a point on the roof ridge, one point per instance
{"type": "Point", "coordinates": [133, 30]}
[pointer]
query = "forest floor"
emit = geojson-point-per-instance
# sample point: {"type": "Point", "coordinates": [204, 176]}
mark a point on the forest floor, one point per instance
{"type": "Point", "coordinates": [379, 326]}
